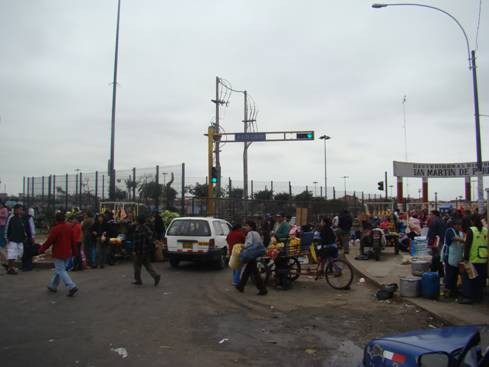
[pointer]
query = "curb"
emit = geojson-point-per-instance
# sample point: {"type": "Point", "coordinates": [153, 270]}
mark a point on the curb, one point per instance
{"type": "Point", "coordinates": [397, 296]}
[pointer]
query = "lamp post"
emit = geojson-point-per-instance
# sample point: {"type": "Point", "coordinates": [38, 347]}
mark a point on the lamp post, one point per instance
{"type": "Point", "coordinates": [325, 137]}
{"type": "Point", "coordinates": [344, 183]}
{"type": "Point", "coordinates": [315, 188]}
{"type": "Point", "coordinates": [114, 95]}
{"type": "Point", "coordinates": [473, 68]}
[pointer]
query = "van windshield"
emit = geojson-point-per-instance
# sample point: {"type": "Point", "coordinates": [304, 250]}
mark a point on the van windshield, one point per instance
{"type": "Point", "coordinates": [189, 227]}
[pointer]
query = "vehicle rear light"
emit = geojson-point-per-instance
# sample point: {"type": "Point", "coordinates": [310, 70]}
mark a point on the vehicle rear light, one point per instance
{"type": "Point", "coordinates": [212, 244]}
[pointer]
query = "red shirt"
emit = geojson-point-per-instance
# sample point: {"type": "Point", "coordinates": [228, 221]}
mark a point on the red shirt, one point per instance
{"type": "Point", "coordinates": [235, 237]}
{"type": "Point", "coordinates": [77, 232]}
{"type": "Point", "coordinates": [61, 238]}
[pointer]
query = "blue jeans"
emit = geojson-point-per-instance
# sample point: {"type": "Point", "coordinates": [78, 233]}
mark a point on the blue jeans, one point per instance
{"type": "Point", "coordinates": [236, 276]}
{"type": "Point", "coordinates": [60, 273]}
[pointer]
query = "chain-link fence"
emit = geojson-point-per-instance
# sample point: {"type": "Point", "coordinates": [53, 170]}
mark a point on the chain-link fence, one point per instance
{"type": "Point", "coordinates": [168, 187]}
{"type": "Point", "coordinates": [156, 186]}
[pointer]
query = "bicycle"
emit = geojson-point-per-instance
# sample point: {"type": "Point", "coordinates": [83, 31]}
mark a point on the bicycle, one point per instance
{"type": "Point", "coordinates": [338, 273]}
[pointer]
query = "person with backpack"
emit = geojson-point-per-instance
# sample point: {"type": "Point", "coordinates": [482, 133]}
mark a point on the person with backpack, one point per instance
{"type": "Point", "coordinates": [143, 245]}
{"type": "Point", "coordinates": [29, 244]}
{"type": "Point", "coordinates": [252, 239]}
{"type": "Point", "coordinates": [476, 257]}
{"type": "Point", "coordinates": [452, 255]}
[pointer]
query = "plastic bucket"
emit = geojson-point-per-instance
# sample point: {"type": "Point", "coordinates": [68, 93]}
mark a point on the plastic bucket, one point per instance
{"type": "Point", "coordinates": [410, 286]}
{"type": "Point", "coordinates": [418, 267]}
{"type": "Point", "coordinates": [430, 285]}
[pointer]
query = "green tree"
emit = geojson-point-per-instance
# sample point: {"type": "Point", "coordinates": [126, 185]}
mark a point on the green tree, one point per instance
{"type": "Point", "coordinates": [150, 190]}
{"type": "Point", "coordinates": [236, 193]}
{"type": "Point", "coordinates": [263, 195]}
{"type": "Point", "coordinates": [199, 190]}
{"type": "Point", "coordinates": [303, 196]}
{"type": "Point", "coordinates": [282, 196]}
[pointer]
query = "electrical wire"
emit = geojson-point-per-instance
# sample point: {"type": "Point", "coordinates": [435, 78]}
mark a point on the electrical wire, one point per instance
{"type": "Point", "coordinates": [478, 26]}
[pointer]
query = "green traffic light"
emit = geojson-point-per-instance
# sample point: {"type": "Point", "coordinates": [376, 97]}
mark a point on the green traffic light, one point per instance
{"type": "Point", "coordinates": [214, 180]}
{"type": "Point", "coordinates": [310, 135]}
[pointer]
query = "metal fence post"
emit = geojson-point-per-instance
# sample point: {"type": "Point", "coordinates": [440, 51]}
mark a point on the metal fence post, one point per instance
{"type": "Point", "coordinates": [134, 184]}
{"type": "Point", "coordinates": [23, 188]}
{"type": "Point", "coordinates": [80, 192]}
{"type": "Point", "coordinates": [66, 192]}
{"type": "Point", "coordinates": [28, 191]}
{"type": "Point", "coordinates": [183, 189]}
{"type": "Point", "coordinates": [251, 189]}
{"type": "Point", "coordinates": [271, 186]}
{"type": "Point", "coordinates": [49, 190]}
{"type": "Point", "coordinates": [54, 191]}
{"type": "Point", "coordinates": [42, 188]}
{"type": "Point", "coordinates": [96, 190]}
{"type": "Point", "coordinates": [76, 188]}
{"type": "Point", "coordinates": [230, 187]}
{"type": "Point", "coordinates": [103, 186]}
{"type": "Point", "coordinates": [32, 190]}
{"type": "Point", "coordinates": [334, 193]}
{"type": "Point", "coordinates": [164, 188]}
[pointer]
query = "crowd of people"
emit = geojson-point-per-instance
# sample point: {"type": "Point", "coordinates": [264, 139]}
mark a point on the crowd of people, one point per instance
{"type": "Point", "coordinates": [457, 243]}
{"type": "Point", "coordinates": [79, 241]}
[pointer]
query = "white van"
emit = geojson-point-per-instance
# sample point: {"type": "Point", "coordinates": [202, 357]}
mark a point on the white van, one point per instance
{"type": "Point", "coordinates": [197, 239]}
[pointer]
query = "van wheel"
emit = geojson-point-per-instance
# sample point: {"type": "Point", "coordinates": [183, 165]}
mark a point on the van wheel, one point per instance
{"type": "Point", "coordinates": [221, 262]}
{"type": "Point", "coordinates": [174, 262]}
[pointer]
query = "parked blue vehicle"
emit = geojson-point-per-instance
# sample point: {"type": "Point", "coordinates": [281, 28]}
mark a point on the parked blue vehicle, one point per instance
{"type": "Point", "coordinates": [456, 346]}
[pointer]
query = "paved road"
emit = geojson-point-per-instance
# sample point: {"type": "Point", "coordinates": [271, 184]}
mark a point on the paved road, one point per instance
{"type": "Point", "coordinates": [181, 322]}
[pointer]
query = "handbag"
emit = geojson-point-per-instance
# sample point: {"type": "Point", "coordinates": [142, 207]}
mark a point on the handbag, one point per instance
{"type": "Point", "coordinates": [234, 260]}
{"type": "Point", "coordinates": [251, 252]}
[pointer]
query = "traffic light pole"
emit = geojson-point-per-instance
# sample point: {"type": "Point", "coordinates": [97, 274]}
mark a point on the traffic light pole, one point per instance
{"type": "Point", "coordinates": [210, 186]}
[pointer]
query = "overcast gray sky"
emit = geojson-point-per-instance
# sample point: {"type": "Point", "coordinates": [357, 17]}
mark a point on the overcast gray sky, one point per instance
{"type": "Point", "coordinates": [337, 67]}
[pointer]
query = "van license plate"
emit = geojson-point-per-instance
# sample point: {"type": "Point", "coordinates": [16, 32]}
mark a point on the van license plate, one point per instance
{"type": "Point", "coordinates": [187, 245]}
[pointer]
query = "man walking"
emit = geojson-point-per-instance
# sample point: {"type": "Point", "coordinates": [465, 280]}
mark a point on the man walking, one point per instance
{"type": "Point", "coordinates": [143, 244]}
{"type": "Point", "coordinates": [345, 222]}
{"type": "Point", "coordinates": [15, 236]}
{"type": "Point", "coordinates": [61, 238]}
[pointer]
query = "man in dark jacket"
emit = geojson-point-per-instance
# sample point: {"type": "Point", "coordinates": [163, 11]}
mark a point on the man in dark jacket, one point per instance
{"type": "Point", "coordinates": [15, 236]}
{"type": "Point", "coordinates": [436, 228]}
{"type": "Point", "coordinates": [143, 245]}
{"type": "Point", "coordinates": [345, 221]}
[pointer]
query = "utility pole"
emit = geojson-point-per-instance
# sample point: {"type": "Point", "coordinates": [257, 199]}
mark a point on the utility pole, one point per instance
{"type": "Point", "coordinates": [217, 138]}
{"type": "Point", "coordinates": [245, 150]}
{"type": "Point", "coordinates": [114, 95]}
{"type": "Point", "coordinates": [386, 186]}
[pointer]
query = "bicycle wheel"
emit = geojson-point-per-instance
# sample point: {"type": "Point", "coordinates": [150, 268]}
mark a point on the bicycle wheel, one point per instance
{"type": "Point", "coordinates": [294, 268]}
{"type": "Point", "coordinates": [339, 274]}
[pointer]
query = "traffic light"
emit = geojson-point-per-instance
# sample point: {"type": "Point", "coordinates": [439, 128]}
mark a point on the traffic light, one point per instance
{"type": "Point", "coordinates": [308, 135]}
{"type": "Point", "coordinates": [213, 175]}
{"type": "Point", "coordinates": [380, 185]}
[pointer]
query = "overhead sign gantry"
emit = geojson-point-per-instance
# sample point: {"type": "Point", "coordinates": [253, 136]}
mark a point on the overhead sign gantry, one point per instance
{"type": "Point", "coordinates": [267, 136]}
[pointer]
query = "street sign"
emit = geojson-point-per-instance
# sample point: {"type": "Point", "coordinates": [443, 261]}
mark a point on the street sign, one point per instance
{"type": "Point", "coordinates": [244, 137]}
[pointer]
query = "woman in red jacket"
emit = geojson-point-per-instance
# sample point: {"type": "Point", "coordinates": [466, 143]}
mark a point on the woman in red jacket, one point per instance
{"type": "Point", "coordinates": [61, 238]}
{"type": "Point", "coordinates": [236, 235]}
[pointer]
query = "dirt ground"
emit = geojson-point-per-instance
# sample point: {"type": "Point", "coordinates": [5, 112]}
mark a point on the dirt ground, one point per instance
{"type": "Point", "coordinates": [194, 318]}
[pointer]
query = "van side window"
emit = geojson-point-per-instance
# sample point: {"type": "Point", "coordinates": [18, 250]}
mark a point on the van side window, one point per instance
{"type": "Point", "coordinates": [225, 228]}
{"type": "Point", "coordinates": [217, 228]}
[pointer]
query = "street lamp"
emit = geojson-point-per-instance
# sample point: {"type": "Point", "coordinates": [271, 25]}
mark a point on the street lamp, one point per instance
{"type": "Point", "coordinates": [344, 183]}
{"type": "Point", "coordinates": [473, 68]}
{"type": "Point", "coordinates": [315, 188]}
{"type": "Point", "coordinates": [325, 137]}
{"type": "Point", "coordinates": [112, 120]}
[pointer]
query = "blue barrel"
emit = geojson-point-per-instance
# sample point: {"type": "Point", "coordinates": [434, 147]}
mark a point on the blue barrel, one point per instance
{"type": "Point", "coordinates": [430, 285]}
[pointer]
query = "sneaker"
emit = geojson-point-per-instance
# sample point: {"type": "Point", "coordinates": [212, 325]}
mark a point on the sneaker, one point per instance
{"type": "Point", "coordinates": [263, 292]}
{"type": "Point", "coordinates": [54, 290]}
{"type": "Point", "coordinates": [72, 292]}
{"type": "Point", "coordinates": [157, 280]}
{"type": "Point", "coordinates": [12, 272]}
{"type": "Point", "coordinates": [239, 288]}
